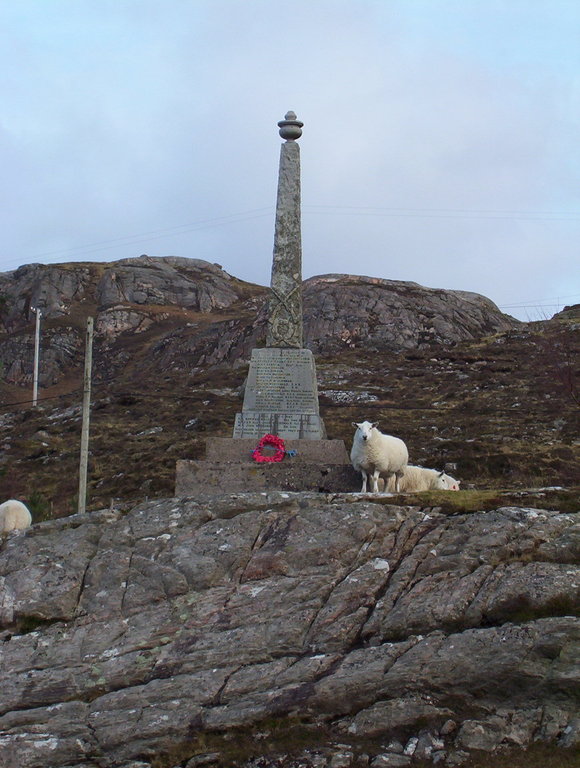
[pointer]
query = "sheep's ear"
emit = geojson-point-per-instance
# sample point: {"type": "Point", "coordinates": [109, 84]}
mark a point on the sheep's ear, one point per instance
{"type": "Point", "coordinates": [354, 424]}
{"type": "Point", "coordinates": [375, 424]}
{"type": "Point", "coordinates": [441, 473]}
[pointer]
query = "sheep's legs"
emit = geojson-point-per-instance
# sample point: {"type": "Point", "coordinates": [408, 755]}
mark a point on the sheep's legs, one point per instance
{"type": "Point", "coordinates": [375, 483]}
{"type": "Point", "coordinates": [364, 482]}
{"type": "Point", "coordinates": [397, 478]}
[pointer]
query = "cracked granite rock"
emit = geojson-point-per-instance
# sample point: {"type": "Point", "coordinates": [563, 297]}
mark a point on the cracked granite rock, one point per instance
{"type": "Point", "coordinates": [199, 313]}
{"type": "Point", "coordinates": [161, 633]}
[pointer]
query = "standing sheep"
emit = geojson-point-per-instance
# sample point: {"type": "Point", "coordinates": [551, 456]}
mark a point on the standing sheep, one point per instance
{"type": "Point", "coordinates": [14, 515]}
{"type": "Point", "coordinates": [374, 453]}
{"type": "Point", "coordinates": [416, 479]}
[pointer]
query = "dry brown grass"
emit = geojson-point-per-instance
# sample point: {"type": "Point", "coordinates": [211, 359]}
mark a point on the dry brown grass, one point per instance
{"type": "Point", "coordinates": [495, 408]}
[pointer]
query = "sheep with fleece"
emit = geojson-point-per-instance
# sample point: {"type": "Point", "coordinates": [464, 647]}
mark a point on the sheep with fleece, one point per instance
{"type": "Point", "coordinates": [14, 515]}
{"type": "Point", "coordinates": [374, 454]}
{"type": "Point", "coordinates": [415, 479]}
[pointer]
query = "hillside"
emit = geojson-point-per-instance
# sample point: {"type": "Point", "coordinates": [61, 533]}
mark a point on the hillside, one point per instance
{"type": "Point", "coordinates": [493, 399]}
{"type": "Point", "coordinates": [285, 630]}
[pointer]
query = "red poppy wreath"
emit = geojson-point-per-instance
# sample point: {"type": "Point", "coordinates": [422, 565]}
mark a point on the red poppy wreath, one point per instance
{"type": "Point", "coordinates": [274, 442]}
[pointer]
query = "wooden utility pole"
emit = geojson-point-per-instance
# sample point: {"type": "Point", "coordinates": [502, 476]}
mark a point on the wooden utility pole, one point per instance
{"type": "Point", "coordinates": [36, 356]}
{"type": "Point", "coordinates": [86, 418]}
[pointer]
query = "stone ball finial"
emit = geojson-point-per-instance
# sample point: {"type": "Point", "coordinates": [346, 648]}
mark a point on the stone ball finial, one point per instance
{"type": "Point", "coordinates": [290, 127]}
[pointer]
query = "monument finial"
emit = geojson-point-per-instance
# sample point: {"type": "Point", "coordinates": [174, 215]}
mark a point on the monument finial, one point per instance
{"type": "Point", "coordinates": [290, 127]}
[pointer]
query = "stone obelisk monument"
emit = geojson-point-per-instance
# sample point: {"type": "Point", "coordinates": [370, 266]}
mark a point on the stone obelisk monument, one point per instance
{"type": "Point", "coordinates": [281, 396]}
{"type": "Point", "coordinates": [285, 315]}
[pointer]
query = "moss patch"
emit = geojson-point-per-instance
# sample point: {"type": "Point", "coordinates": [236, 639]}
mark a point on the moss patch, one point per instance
{"type": "Point", "coordinates": [466, 502]}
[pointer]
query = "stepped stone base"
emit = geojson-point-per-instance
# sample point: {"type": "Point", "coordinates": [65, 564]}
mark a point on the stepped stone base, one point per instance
{"type": "Point", "coordinates": [321, 465]}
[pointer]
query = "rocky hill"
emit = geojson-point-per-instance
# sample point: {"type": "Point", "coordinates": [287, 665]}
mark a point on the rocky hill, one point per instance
{"type": "Point", "coordinates": [286, 630]}
{"type": "Point", "coordinates": [216, 318]}
{"type": "Point", "coordinates": [494, 399]}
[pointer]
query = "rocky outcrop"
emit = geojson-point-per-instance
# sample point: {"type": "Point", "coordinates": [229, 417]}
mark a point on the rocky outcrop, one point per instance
{"type": "Point", "coordinates": [337, 629]}
{"type": "Point", "coordinates": [57, 288]}
{"type": "Point", "coordinates": [183, 302]}
{"type": "Point", "coordinates": [61, 350]}
{"type": "Point", "coordinates": [348, 310]}
{"type": "Point", "coordinates": [125, 297]}
{"type": "Point", "coordinates": [52, 288]}
{"type": "Point", "coordinates": [191, 283]}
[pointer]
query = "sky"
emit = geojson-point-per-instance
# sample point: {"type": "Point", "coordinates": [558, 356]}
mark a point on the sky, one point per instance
{"type": "Point", "coordinates": [441, 139]}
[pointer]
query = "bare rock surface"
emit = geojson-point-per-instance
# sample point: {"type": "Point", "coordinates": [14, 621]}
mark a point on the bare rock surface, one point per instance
{"type": "Point", "coordinates": [127, 296]}
{"type": "Point", "coordinates": [349, 310]}
{"type": "Point", "coordinates": [193, 283]}
{"type": "Point", "coordinates": [199, 313]}
{"type": "Point", "coordinates": [55, 288]}
{"type": "Point", "coordinates": [171, 632]}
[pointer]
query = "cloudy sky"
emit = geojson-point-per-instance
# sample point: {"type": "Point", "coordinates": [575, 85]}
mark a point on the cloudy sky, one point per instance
{"type": "Point", "coordinates": [441, 138]}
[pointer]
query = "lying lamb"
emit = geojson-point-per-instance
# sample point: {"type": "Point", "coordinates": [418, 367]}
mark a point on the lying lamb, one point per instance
{"type": "Point", "coordinates": [416, 479]}
{"type": "Point", "coordinates": [376, 454]}
{"type": "Point", "coordinates": [14, 515]}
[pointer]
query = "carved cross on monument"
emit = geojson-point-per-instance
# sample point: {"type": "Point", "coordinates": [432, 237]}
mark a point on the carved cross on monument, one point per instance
{"type": "Point", "coordinates": [281, 394]}
{"type": "Point", "coordinates": [285, 311]}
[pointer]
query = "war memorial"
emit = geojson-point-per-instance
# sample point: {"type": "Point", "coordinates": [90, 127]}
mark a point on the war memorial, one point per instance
{"type": "Point", "coordinates": [281, 393]}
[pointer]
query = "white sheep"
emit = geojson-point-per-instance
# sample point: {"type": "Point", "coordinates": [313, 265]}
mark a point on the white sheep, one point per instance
{"type": "Point", "coordinates": [374, 453]}
{"type": "Point", "coordinates": [14, 515]}
{"type": "Point", "coordinates": [416, 479]}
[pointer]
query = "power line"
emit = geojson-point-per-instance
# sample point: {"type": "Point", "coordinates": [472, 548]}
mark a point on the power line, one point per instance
{"type": "Point", "coordinates": [529, 306]}
{"type": "Point", "coordinates": [531, 303]}
{"type": "Point", "coordinates": [103, 245]}
{"type": "Point", "coordinates": [369, 405]}
{"type": "Point", "coordinates": [352, 210]}
{"type": "Point", "coordinates": [442, 213]}
{"type": "Point", "coordinates": [556, 298]}
{"type": "Point", "coordinates": [41, 399]}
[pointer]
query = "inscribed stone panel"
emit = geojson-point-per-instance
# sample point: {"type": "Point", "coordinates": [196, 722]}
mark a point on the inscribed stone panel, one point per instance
{"type": "Point", "coordinates": [282, 380]}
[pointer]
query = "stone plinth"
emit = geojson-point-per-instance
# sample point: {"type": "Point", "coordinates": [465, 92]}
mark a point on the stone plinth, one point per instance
{"type": "Point", "coordinates": [281, 396]}
{"type": "Point", "coordinates": [319, 465]}
{"type": "Point", "coordinates": [212, 477]}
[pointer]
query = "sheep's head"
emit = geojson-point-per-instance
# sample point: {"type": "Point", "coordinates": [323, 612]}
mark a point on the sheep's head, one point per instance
{"type": "Point", "coordinates": [438, 483]}
{"type": "Point", "coordinates": [451, 484]}
{"type": "Point", "coordinates": [365, 428]}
